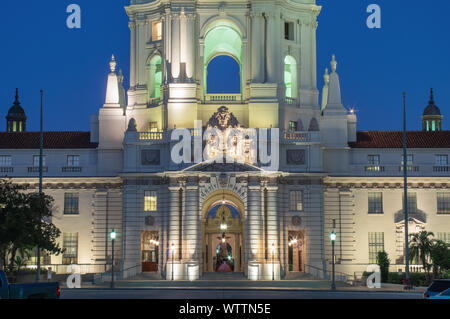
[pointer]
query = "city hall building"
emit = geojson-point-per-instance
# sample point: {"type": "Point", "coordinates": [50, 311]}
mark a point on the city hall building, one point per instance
{"type": "Point", "coordinates": [183, 220]}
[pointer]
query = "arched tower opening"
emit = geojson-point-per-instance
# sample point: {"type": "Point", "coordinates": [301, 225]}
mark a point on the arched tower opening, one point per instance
{"type": "Point", "coordinates": [222, 39]}
{"type": "Point", "coordinates": [155, 77]}
{"type": "Point", "coordinates": [290, 77]}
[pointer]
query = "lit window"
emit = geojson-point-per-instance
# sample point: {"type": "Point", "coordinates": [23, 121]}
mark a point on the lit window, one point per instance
{"type": "Point", "coordinates": [5, 161]}
{"type": "Point", "coordinates": [153, 127]}
{"type": "Point", "coordinates": [376, 244]}
{"type": "Point", "coordinates": [70, 244]}
{"type": "Point", "coordinates": [373, 162]}
{"type": "Point", "coordinates": [36, 161]}
{"type": "Point", "coordinates": [375, 203]}
{"type": "Point", "coordinates": [296, 200]}
{"type": "Point", "coordinates": [443, 203]}
{"type": "Point", "coordinates": [292, 126]}
{"type": "Point", "coordinates": [156, 31]}
{"type": "Point", "coordinates": [73, 160]}
{"type": "Point", "coordinates": [71, 204]}
{"type": "Point", "coordinates": [150, 201]}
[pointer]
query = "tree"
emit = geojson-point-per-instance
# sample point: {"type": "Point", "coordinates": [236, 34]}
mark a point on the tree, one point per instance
{"type": "Point", "coordinates": [25, 222]}
{"type": "Point", "coordinates": [420, 247]}
{"type": "Point", "coordinates": [440, 256]}
{"type": "Point", "coordinates": [384, 262]}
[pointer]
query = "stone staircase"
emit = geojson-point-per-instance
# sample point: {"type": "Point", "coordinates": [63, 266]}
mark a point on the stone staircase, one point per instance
{"type": "Point", "coordinates": [223, 276]}
{"type": "Point", "coordinates": [299, 276]}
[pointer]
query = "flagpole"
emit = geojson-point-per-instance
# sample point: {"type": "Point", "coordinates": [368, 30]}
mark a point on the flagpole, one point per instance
{"type": "Point", "coordinates": [405, 176]}
{"type": "Point", "coordinates": [41, 138]}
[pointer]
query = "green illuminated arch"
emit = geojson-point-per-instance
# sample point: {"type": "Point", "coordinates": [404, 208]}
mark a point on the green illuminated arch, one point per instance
{"type": "Point", "coordinates": [155, 76]}
{"type": "Point", "coordinates": [290, 77]}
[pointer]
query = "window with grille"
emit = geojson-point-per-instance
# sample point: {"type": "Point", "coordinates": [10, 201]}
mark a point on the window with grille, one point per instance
{"type": "Point", "coordinates": [292, 126]}
{"type": "Point", "coordinates": [71, 204]}
{"type": "Point", "coordinates": [445, 237]}
{"type": "Point", "coordinates": [70, 244]}
{"type": "Point", "coordinates": [150, 201]}
{"type": "Point", "coordinates": [443, 203]}
{"type": "Point", "coordinates": [5, 161]}
{"type": "Point", "coordinates": [153, 126]}
{"type": "Point", "coordinates": [373, 162]}
{"type": "Point", "coordinates": [412, 202]}
{"type": "Point", "coordinates": [36, 161]}
{"type": "Point", "coordinates": [375, 203]}
{"type": "Point", "coordinates": [156, 30]}
{"type": "Point", "coordinates": [441, 160]}
{"type": "Point", "coordinates": [296, 201]}
{"type": "Point", "coordinates": [73, 160]}
{"type": "Point", "coordinates": [376, 244]}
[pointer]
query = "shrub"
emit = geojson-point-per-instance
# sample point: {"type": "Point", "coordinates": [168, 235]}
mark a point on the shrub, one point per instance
{"type": "Point", "coordinates": [384, 262]}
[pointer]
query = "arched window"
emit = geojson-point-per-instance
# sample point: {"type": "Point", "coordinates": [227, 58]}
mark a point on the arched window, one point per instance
{"type": "Point", "coordinates": [155, 77]}
{"type": "Point", "coordinates": [290, 77]}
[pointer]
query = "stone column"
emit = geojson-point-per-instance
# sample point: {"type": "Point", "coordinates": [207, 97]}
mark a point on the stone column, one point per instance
{"type": "Point", "coordinates": [254, 233]}
{"type": "Point", "coordinates": [191, 225]}
{"type": "Point", "coordinates": [190, 45]}
{"type": "Point", "coordinates": [257, 48]}
{"type": "Point", "coordinates": [175, 40]}
{"type": "Point", "coordinates": [271, 59]}
{"type": "Point", "coordinates": [272, 232]}
{"type": "Point", "coordinates": [132, 27]}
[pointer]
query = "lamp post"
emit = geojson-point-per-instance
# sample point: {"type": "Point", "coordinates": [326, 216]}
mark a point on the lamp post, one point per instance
{"type": "Point", "coordinates": [272, 250]}
{"type": "Point", "coordinates": [173, 253]}
{"type": "Point", "coordinates": [113, 235]}
{"type": "Point", "coordinates": [333, 239]}
{"type": "Point", "coordinates": [41, 143]}
{"type": "Point", "coordinates": [405, 185]}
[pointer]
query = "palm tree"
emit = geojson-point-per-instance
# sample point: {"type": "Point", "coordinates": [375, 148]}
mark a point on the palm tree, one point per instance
{"type": "Point", "coordinates": [420, 246]}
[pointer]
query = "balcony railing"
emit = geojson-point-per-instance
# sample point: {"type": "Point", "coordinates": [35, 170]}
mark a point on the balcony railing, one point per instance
{"type": "Point", "coordinates": [35, 169]}
{"type": "Point", "coordinates": [290, 101]}
{"type": "Point", "coordinates": [223, 98]}
{"type": "Point", "coordinates": [374, 168]}
{"type": "Point", "coordinates": [409, 168]}
{"type": "Point", "coordinates": [440, 169]}
{"type": "Point", "coordinates": [296, 136]}
{"type": "Point", "coordinates": [149, 136]}
{"type": "Point", "coordinates": [72, 169]}
{"type": "Point", "coordinates": [6, 169]}
{"type": "Point", "coordinates": [154, 101]}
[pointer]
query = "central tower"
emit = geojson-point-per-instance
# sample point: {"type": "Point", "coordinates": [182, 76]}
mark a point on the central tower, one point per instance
{"type": "Point", "coordinates": [173, 42]}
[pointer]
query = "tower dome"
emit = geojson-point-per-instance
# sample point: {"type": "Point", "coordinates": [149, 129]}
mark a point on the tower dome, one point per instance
{"type": "Point", "coordinates": [16, 118]}
{"type": "Point", "coordinates": [431, 118]}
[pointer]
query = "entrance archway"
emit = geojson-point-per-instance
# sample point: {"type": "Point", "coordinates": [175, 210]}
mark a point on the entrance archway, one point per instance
{"type": "Point", "coordinates": [223, 233]}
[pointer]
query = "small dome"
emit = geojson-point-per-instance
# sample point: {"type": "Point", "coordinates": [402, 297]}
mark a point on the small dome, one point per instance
{"type": "Point", "coordinates": [431, 109]}
{"type": "Point", "coordinates": [16, 112]}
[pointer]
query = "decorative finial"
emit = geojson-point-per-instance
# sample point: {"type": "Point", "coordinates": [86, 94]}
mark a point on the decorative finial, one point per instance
{"type": "Point", "coordinates": [333, 64]}
{"type": "Point", "coordinates": [326, 76]}
{"type": "Point", "coordinates": [17, 95]}
{"type": "Point", "coordinates": [113, 64]}
{"type": "Point", "coordinates": [431, 96]}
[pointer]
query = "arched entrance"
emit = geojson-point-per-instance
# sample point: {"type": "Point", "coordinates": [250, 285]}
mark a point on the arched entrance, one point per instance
{"type": "Point", "coordinates": [223, 233]}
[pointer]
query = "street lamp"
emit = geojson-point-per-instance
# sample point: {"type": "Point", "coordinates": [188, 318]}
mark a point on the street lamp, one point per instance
{"type": "Point", "coordinates": [272, 250]}
{"type": "Point", "coordinates": [173, 253]}
{"type": "Point", "coordinates": [113, 235]}
{"type": "Point", "coordinates": [333, 239]}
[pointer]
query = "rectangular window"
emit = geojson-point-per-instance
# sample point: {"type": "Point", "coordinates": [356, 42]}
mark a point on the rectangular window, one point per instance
{"type": "Point", "coordinates": [153, 126]}
{"type": "Point", "coordinates": [71, 204]}
{"type": "Point", "coordinates": [373, 160]}
{"type": "Point", "coordinates": [443, 203]}
{"type": "Point", "coordinates": [73, 160]}
{"type": "Point", "coordinates": [376, 244]}
{"type": "Point", "coordinates": [296, 201]}
{"type": "Point", "coordinates": [441, 160]}
{"type": "Point", "coordinates": [292, 126]}
{"type": "Point", "coordinates": [156, 31]}
{"type": "Point", "coordinates": [445, 237]}
{"type": "Point", "coordinates": [375, 203]}
{"type": "Point", "coordinates": [36, 161]}
{"type": "Point", "coordinates": [289, 31]}
{"type": "Point", "coordinates": [70, 244]}
{"type": "Point", "coordinates": [150, 201]}
{"type": "Point", "coordinates": [409, 160]}
{"type": "Point", "coordinates": [5, 161]}
{"type": "Point", "coordinates": [412, 202]}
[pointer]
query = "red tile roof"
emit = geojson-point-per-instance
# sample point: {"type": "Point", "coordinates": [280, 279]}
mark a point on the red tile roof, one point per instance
{"type": "Point", "coordinates": [52, 140]}
{"type": "Point", "coordinates": [392, 139]}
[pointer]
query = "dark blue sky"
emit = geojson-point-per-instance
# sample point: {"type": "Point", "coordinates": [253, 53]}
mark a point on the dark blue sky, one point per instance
{"type": "Point", "coordinates": [410, 52]}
